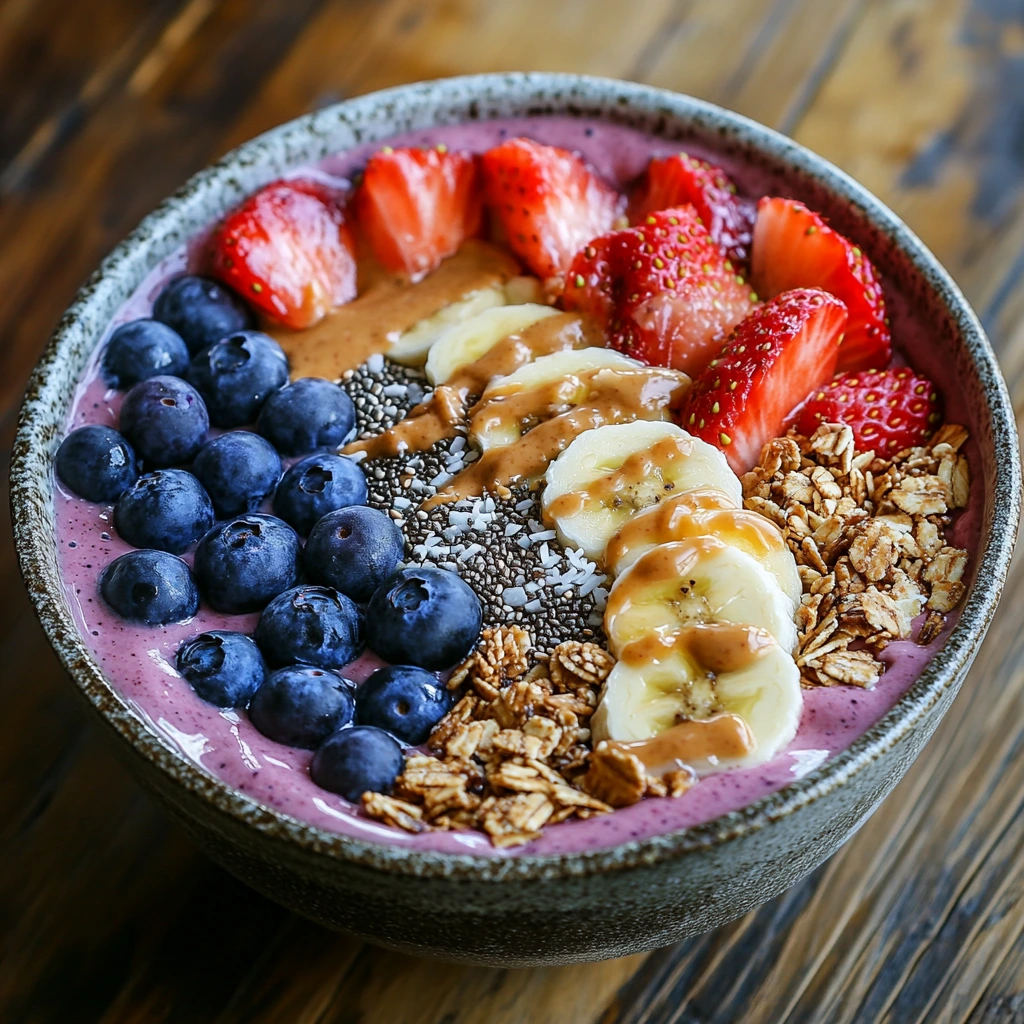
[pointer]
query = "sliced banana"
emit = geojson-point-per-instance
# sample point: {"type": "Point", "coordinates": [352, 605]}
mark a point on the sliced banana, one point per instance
{"type": "Point", "coordinates": [695, 581]}
{"type": "Point", "coordinates": [706, 513]}
{"type": "Point", "coordinates": [599, 483]}
{"type": "Point", "coordinates": [646, 697]}
{"type": "Point", "coordinates": [411, 348]}
{"type": "Point", "coordinates": [560, 377]}
{"type": "Point", "coordinates": [464, 343]}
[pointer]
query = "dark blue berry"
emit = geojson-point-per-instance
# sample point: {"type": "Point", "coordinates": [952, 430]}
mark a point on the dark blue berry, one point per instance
{"type": "Point", "coordinates": [358, 760]}
{"type": "Point", "coordinates": [223, 668]}
{"type": "Point", "coordinates": [301, 706]}
{"type": "Point", "coordinates": [405, 700]}
{"type": "Point", "coordinates": [242, 564]}
{"type": "Point", "coordinates": [167, 509]}
{"type": "Point", "coordinates": [353, 550]}
{"type": "Point", "coordinates": [143, 349]}
{"type": "Point", "coordinates": [165, 419]}
{"type": "Point", "coordinates": [308, 415]}
{"type": "Point", "coordinates": [201, 311]}
{"type": "Point", "coordinates": [310, 626]}
{"type": "Point", "coordinates": [96, 463]}
{"type": "Point", "coordinates": [239, 471]}
{"type": "Point", "coordinates": [151, 587]}
{"type": "Point", "coordinates": [237, 374]}
{"type": "Point", "coordinates": [317, 485]}
{"type": "Point", "coordinates": [426, 617]}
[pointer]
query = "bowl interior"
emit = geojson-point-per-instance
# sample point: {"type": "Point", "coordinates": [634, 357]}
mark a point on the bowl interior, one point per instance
{"type": "Point", "coordinates": [940, 333]}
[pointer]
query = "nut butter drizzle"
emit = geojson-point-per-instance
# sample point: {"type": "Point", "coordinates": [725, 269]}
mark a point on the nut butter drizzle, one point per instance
{"type": "Point", "coordinates": [447, 406]}
{"type": "Point", "coordinates": [605, 396]}
{"type": "Point", "coordinates": [387, 306]}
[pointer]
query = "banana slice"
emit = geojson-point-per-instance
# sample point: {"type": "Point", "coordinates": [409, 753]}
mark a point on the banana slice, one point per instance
{"type": "Point", "coordinates": [411, 348]}
{"type": "Point", "coordinates": [464, 343]}
{"type": "Point", "coordinates": [560, 378]}
{"type": "Point", "coordinates": [706, 513]}
{"type": "Point", "coordinates": [689, 582]}
{"type": "Point", "coordinates": [671, 709]}
{"type": "Point", "coordinates": [599, 483]}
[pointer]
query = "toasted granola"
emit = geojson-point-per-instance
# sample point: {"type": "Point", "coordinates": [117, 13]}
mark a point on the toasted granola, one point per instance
{"type": "Point", "coordinates": [868, 535]}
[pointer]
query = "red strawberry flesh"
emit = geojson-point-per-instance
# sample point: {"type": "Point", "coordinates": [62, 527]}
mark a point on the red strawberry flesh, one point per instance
{"type": "Point", "coordinates": [547, 201]}
{"type": "Point", "coordinates": [888, 410]}
{"type": "Point", "coordinates": [417, 206]}
{"type": "Point", "coordinates": [288, 251]}
{"type": "Point", "coordinates": [680, 179]}
{"type": "Point", "coordinates": [795, 248]}
{"type": "Point", "coordinates": [663, 291]}
{"type": "Point", "coordinates": [774, 359]}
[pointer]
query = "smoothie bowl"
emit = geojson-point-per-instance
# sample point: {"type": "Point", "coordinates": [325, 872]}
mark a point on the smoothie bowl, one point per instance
{"type": "Point", "coordinates": [521, 518]}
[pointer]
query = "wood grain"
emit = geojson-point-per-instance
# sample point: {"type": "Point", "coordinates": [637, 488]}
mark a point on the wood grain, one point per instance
{"type": "Point", "coordinates": [107, 913]}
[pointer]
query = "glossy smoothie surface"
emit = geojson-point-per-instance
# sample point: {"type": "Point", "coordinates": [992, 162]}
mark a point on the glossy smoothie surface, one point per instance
{"type": "Point", "coordinates": [140, 660]}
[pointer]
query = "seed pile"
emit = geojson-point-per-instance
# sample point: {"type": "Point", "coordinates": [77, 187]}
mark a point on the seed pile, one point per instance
{"type": "Point", "coordinates": [501, 547]}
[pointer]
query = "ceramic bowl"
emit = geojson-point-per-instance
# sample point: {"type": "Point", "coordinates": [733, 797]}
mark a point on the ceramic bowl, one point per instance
{"type": "Point", "coordinates": [530, 909]}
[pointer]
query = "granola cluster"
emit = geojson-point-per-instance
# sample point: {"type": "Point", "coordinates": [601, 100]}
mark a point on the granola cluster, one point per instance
{"type": "Point", "coordinates": [868, 535]}
{"type": "Point", "coordinates": [515, 752]}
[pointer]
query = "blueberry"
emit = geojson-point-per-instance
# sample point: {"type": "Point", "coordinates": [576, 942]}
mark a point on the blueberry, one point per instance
{"type": "Point", "coordinates": [236, 374]}
{"type": "Point", "coordinates": [96, 463]}
{"type": "Point", "coordinates": [311, 626]}
{"type": "Point", "coordinates": [317, 485]}
{"type": "Point", "coordinates": [167, 509]}
{"type": "Point", "coordinates": [223, 668]}
{"type": "Point", "coordinates": [307, 415]}
{"type": "Point", "coordinates": [353, 550]}
{"type": "Point", "coordinates": [151, 587]}
{"type": "Point", "coordinates": [165, 419]}
{"type": "Point", "coordinates": [239, 471]}
{"type": "Point", "coordinates": [301, 706]}
{"type": "Point", "coordinates": [354, 761]}
{"type": "Point", "coordinates": [405, 700]}
{"type": "Point", "coordinates": [201, 311]}
{"type": "Point", "coordinates": [243, 563]}
{"type": "Point", "coordinates": [426, 617]}
{"type": "Point", "coordinates": [143, 349]}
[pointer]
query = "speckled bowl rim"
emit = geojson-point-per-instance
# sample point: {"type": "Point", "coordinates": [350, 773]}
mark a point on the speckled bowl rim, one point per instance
{"type": "Point", "coordinates": [368, 119]}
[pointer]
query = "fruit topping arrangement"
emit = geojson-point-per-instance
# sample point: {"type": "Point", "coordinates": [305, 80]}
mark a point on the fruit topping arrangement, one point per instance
{"type": "Point", "coordinates": [602, 477]}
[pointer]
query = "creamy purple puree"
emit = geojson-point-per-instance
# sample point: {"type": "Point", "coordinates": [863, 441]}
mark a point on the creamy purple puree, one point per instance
{"type": "Point", "coordinates": [140, 660]}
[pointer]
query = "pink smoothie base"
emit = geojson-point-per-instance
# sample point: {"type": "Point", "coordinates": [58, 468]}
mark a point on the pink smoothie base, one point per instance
{"type": "Point", "coordinates": [140, 660]}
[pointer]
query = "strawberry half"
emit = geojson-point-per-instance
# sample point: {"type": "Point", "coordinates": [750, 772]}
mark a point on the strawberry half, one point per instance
{"type": "Point", "coordinates": [889, 410]}
{"type": "Point", "coordinates": [774, 359]}
{"type": "Point", "coordinates": [547, 201]}
{"type": "Point", "coordinates": [287, 250]}
{"type": "Point", "coordinates": [679, 179]}
{"type": "Point", "coordinates": [417, 206]}
{"type": "Point", "coordinates": [663, 292]}
{"type": "Point", "coordinates": [795, 248]}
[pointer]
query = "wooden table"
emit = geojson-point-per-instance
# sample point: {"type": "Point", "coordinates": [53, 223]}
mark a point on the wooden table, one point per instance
{"type": "Point", "coordinates": [107, 912]}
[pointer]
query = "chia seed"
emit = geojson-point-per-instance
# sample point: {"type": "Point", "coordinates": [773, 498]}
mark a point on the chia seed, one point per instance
{"type": "Point", "coordinates": [481, 539]}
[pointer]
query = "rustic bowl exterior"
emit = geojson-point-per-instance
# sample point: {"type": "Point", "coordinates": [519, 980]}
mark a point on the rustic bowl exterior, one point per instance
{"type": "Point", "coordinates": [517, 911]}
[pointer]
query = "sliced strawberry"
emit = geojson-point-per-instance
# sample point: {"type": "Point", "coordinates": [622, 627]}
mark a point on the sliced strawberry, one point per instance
{"type": "Point", "coordinates": [773, 361]}
{"type": "Point", "coordinates": [417, 206]}
{"type": "Point", "coordinates": [663, 292]}
{"type": "Point", "coordinates": [288, 251]}
{"type": "Point", "coordinates": [547, 201]}
{"type": "Point", "coordinates": [889, 410]}
{"type": "Point", "coordinates": [679, 179]}
{"type": "Point", "coordinates": [795, 248]}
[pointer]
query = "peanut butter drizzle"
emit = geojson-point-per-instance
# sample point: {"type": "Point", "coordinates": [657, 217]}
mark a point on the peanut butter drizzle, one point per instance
{"type": "Point", "coordinates": [724, 737]}
{"type": "Point", "coordinates": [386, 306]}
{"type": "Point", "coordinates": [696, 514]}
{"type": "Point", "coordinates": [613, 396]}
{"type": "Point", "coordinates": [637, 468]}
{"type": "Point", "coordinates": [716, 647]}
{"type": "Point", "coordinates": [437, 418]}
